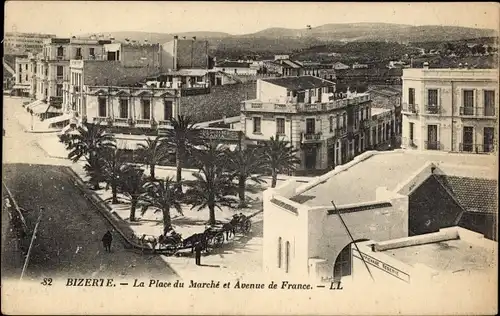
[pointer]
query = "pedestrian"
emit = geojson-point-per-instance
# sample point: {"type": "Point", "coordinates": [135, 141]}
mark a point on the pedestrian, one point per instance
{"type": "Point", "coordinates": [197, 252]}
{"type": "Point", "coordinates": [106, 241]}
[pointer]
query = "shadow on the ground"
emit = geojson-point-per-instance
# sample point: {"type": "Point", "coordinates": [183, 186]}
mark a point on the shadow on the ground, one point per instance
{"type": "Point", "coordinates": [186, 221]}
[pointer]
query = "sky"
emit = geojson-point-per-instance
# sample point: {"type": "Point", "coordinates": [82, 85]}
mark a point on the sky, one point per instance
{"type": "Point", "coordinates": [65, 18]}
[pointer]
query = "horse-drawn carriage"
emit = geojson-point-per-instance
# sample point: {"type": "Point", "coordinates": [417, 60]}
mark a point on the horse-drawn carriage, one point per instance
{"type": "Point", "coordinates": [214, 236]}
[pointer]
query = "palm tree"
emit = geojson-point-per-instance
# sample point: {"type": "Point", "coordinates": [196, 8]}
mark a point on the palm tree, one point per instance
{"type": "Point", "coordinates": [95, 170]}
{"type": "Point", "coordinates": [163, 195]}
{"type": "Point", "coordinates": [153, 153]}
{"type": "Point", "coordinates": [114, 167]}
{"type": "Point", "coordinates": [131, 185]}
{"type": "Point", "coordinates": [212, 186]}
{"type": "Point", "coordinates": [89, 142]}
{"type": "Point", "coordinates": [181, 137]}
{"type": "Point", "coordinates": [279, 157]}
{"type": "Point", "coordinates": [245, 165]}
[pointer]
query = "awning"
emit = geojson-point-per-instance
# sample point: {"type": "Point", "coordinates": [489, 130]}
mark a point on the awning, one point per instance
{"type": "Point", "coordinates": [132, 144]}
{"type": "Point", "coordinates": [25, 88]}
{"type": "Point", "coordinates": [40, 108]}
{"type": "Point", "coordinates": [58, 119]}
{"type": "Point", "coordinates": [32, 104]}
{"type": "Point", "coordinates": [53, 109]}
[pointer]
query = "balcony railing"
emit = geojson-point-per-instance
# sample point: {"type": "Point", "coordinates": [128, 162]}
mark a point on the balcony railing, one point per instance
{"type": "Point", "coordinates": [477, 148]}
{"type": "Point", "coordinates": [163, 123]}
{"type": "Point", "coordinates": [143, 121]}
{"type": "Point", "coordinates": [477, 111]}
{"type": "Point", "coordinates": [311, 137]}
{"type": "Point", "coordinates": [341, 131]}
{"type": "Point", "coordinates": [410, 108]}
{"type": "Point", "coordinates": [432, 109]}
{"type": "Point", "coordinates": [432, 145]}
{"type": "Point", "coordinates": [122, 120]}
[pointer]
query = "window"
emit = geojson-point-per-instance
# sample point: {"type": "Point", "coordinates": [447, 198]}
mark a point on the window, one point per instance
{"type": "Point", "coordinates": [280, 126]}
{"type": "Point", "coordinates": [60, 51]}
{"type": "Point", "coordinates": [331, 124]}
{"type": "Point", "coordinates": [468, 138]}
{"type": "Point", "coordinates": [146, 109]}
{"type": "Point", "coordinates": [287, 257]}
{"type": "Point", "coordinates": [123, 108]}
{"type": "Point", "coordinates": [21, 68]}
{"type": "Point", "coordinates": [102, 107]}
{"type": "Point", "coordinates": [489, 103]}
{"type": "Point", "coordinates": [26, 77]}
{"type": "Point", "coordinates": [60, 72]}
{"type": "Point", "coordinates": [167, 109]}
{"type": "Point", "coordinates": [337, 118]}
{"type": "Point", "coordinates": [488, 136]}
{"type": "Point", "coordinates": [59, 88]}
{"type": "Point", "coordinates": [468, 102]}
{"type": "Point", "coordinates": [256, 125]}
{"type": "Point", "coordinates": [279, 252]}
{"type": "Point", "coordinates": [432, 98]}
{"type": "Point", "coordinates": [344, 120]}
{"type": "Point", "coordinates": [92, 51]}
{"type": "Point", "coordinates": [411, 96]}
{"type": "Point", "coordinates": [310, 126]}
{"type": "Point", "coordinates": [26, 67]}
{"type": "Point", "coordinates": [412, 125]}
{"type": "Point", "coordinates": [78, 54]}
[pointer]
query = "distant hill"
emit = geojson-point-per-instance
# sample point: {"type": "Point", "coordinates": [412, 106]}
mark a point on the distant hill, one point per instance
{"type": "Point", "coordinates": [377, 32]}
{"type": "Point", "coordinates": [278, 40]}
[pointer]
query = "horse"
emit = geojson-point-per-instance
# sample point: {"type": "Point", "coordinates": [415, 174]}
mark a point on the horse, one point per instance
{"type": "Point", "coordinates": [192, 240]}
{"type": "Point", "coordinates": [229, 229]}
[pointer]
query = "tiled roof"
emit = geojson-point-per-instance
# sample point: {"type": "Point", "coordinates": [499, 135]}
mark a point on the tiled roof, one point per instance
{"type": "Point", "coordinates": [300, 83]}
{"type": "Point", "coordinates": [473, 194]}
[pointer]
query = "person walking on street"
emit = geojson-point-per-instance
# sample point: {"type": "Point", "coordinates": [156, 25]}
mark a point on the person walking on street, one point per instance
{"type": "Point", "coordinates": [197, 252]}
{"type": "Point", "coordinates": [106, 241]}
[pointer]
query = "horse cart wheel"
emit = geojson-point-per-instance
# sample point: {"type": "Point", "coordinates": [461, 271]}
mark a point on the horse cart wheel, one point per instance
{"type": "Point", "coordinates": [218, 240]}
{"type": "Point", "coordinates": [171, 249]}
{"type": "Point", "coordinates": [246, 226]}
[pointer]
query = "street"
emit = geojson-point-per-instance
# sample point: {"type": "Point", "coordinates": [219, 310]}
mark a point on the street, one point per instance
{"type": "Point", "coordinates": [68, 242]}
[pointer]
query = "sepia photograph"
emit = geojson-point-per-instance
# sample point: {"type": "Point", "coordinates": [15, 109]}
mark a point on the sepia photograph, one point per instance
{"type": "Point", "coordinates": [250, 158]}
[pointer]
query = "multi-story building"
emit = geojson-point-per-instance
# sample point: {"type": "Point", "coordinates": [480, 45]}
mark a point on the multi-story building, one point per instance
{"type": "Point", "coordinates": [380, 130]}
{"type": "Point", "coordinates": [389, 97]}
{"type": "Point", "coordinates": [51, 67]}
{"type": "Point", "coordinates": [23, 76]}
{"type": "Point", "coordinates": [327, 127]}
{"type": "Point", "coordinates": [450, 109]}
{"type": "Point", "coordinates": [24, 42]}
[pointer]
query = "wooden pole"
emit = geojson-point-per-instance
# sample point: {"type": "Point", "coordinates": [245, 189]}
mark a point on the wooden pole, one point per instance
{"type": "Point", "coordinates": [352, 240]}
{"type": "Point", "coordinates": [26, 261]}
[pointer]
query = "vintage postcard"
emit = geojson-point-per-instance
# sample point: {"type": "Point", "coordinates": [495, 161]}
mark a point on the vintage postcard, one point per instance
{"type": "Point", "coordinates": [250, 158]}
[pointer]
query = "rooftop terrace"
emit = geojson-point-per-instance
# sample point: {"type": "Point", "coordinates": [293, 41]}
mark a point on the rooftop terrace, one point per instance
{"type": "Point", "coordinates": [358, 180]}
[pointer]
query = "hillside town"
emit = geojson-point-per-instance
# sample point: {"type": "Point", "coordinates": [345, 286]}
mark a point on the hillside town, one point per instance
{"type": "Point", "coordinates": [194, 165]}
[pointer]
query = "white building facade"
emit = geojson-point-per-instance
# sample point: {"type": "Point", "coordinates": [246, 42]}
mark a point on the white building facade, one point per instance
{"type": "Point", "coordinates": [327, 127]}
{"type": "Point", "coordinates": [452, 110]}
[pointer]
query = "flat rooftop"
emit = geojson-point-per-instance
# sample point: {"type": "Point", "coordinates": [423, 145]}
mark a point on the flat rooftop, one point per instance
{"type": "Point", "coordinates": [450, 255]}
{"type": "Point", "coordinates": [359, 181]}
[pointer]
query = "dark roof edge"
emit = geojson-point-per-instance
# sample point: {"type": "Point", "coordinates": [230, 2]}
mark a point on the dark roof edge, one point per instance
{"type": "Point", "coordinates": [353, 209]}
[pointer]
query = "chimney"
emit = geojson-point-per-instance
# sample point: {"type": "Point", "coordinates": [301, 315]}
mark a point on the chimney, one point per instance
{"type": "Point", "coordinates": [426, 65]}
{"type": "Point", "coordinates": [194, 38]}
{"type": "Point", "coordinates": [176, 37]}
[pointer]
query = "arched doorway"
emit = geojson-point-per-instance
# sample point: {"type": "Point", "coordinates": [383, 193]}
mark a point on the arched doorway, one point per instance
{"type": "Point", "coordinates": [343, 265]}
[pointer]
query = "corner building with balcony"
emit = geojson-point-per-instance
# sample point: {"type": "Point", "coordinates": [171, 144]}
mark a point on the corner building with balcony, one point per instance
{"type": "Point", "coordinates": [327, 127]}
{"type": "Point", "coordinates": [453, 110]}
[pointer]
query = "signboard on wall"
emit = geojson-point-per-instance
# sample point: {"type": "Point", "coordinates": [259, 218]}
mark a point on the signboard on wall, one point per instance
{"type": "Point", "coordinates": [373, 262]}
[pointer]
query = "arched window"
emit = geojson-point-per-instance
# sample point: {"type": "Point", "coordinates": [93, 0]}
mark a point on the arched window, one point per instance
{"type": "Point", "coordinates": [279, 252]}
{"type": "Point", "coordinates": [287, 257]}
